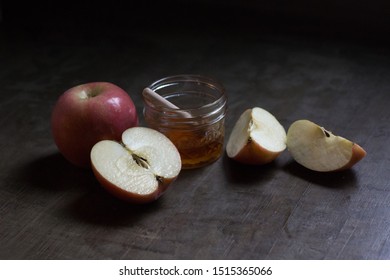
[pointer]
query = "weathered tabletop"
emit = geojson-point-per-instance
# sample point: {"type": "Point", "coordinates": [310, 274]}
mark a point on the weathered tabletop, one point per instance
{"type": "Point", "coordinates": [52, 210]}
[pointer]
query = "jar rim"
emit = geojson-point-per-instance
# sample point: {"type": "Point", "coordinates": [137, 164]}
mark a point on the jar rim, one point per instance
{"type": "Point", "coordinates": [210, 82]}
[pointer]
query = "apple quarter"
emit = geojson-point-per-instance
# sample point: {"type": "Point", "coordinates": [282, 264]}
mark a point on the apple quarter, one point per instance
{"type": "Point", "coordinates": [257, 137]}
{"type": "Point", "coordinates": [320, 150]}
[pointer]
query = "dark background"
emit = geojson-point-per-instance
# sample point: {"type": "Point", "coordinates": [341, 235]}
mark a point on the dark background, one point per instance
{"type": "Point", "coordinates": [345, 18]}
{"type": "Point", "coordinates": [327, 61]}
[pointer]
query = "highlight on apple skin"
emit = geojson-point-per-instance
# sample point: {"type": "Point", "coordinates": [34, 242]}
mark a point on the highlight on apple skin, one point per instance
{"type": "Point", "coordinates": [257, 138]}
{"type": "Point", "coordinates": [88, 113]}
{"type": "Point", "coordinates": [140, 168]}
{"type": "Point", "coordinates": [318, 149]}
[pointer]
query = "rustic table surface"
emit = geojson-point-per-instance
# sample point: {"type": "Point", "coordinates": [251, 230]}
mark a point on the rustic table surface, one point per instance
{"type": "Point", "coordinates": [50, 209]}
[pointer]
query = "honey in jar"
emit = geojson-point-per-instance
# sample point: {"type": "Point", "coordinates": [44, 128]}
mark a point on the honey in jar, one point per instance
{"type": "Point", "coordinates": [196, 124]}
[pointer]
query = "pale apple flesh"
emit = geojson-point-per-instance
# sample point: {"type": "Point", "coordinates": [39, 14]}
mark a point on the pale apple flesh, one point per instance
{"type": "Point", "coordinates": [139, 169]}
{"type": "Point", "coordinates": [257, 138]}
{"type": "Point", "coordinates": [320, 150]}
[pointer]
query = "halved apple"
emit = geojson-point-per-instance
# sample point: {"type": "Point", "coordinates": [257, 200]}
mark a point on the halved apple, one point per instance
{"type": "Point", "coordinates": [140, 168]}
{"type": "Point", "coordinates": [256, 138]}
{"type": "Point", "coordinates": [320, 150]}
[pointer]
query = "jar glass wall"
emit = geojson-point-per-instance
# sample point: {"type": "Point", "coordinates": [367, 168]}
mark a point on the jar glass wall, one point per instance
{"type": "Point", "coordinates": [197, 128]}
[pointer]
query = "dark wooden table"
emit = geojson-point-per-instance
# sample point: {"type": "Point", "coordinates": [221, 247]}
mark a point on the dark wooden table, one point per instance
{"type": "Point", "coordinates": [50, 209]}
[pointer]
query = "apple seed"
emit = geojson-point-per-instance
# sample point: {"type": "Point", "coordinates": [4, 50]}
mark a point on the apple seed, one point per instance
{"type": "Point", "coordinates": [327, 134]}
{"type": "Point", "coordinates": [141, 161]}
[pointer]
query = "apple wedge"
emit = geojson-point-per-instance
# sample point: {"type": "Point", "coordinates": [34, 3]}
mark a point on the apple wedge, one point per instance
{"type": "Point", "coordinates": [320, 150]}
{"type": "Point", "coordinates": [256, 138]}
{"type": "Point", "coordinates": [139, 169]}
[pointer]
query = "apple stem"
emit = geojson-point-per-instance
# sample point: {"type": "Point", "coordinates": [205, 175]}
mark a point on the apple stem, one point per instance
{"type": "Point", "coordinates": [94, 92]}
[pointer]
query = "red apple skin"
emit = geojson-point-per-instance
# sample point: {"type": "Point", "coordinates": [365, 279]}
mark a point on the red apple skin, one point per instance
{"type": "Point", "coordinates": [133, 197]}
{"type": "Point", "coordinates": [88, 113]}
{"type": "Point", "coordinates": [358, 153]}
{"type": "Point", "coordinates": [254, 154]}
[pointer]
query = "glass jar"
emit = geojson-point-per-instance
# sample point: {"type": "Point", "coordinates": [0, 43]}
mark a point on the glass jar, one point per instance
{"type": "Point", "coordinates": [196, 126]}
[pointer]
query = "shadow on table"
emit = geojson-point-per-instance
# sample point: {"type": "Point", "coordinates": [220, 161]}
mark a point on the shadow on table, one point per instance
{"type": "Point", "coordinates": [99, 207]}
{"type": "Point", "coordinates": [84, 198]}
{"type": "Point", "coordinates": [339, 179]}
{"type": "Point", "coordinates": [52, 173]}
{"type": "Point", "coordinates": [244, 174]}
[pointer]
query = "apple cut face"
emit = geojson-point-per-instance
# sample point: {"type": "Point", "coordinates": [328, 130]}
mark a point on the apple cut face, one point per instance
{"type": "Point", "coordinates": [320, 150]}
{"type": "Point", "coordinates": [140, 168]}
{"type": "Point", "coordinates": [256, 138]}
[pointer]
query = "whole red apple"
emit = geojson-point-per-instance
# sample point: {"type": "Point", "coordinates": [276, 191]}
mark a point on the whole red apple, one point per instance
{"type": "Point", "coordinates": [87, 114]}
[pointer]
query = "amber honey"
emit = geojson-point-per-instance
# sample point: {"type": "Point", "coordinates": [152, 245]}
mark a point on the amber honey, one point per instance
{"type": "Point", "coordinates": [198, 148]}
{"type": "Point", "coordinates": [196, 125]}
